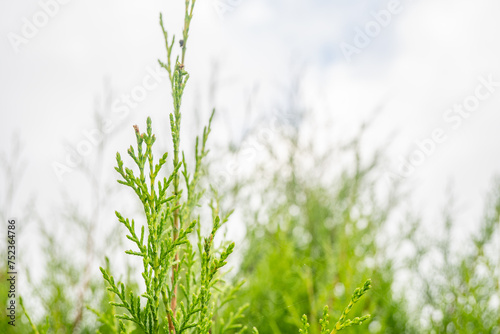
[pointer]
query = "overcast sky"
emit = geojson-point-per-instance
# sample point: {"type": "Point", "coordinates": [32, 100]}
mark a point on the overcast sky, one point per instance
{"type": "Point", "coordinates": [431, 66]}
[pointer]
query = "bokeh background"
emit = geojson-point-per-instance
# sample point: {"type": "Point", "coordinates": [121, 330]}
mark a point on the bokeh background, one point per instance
{"type": "Point", "coordinates": [399, 68]}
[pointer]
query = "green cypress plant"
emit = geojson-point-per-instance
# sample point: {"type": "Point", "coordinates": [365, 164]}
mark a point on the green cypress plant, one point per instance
{"type": "Point", "coordinates": [179, 274]}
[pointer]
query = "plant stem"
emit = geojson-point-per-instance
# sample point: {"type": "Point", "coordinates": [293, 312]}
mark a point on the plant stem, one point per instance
{"type": "Point", "coordinates": [187, 20]}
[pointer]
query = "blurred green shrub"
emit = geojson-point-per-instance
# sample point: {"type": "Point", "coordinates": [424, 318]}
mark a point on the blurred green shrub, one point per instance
{"type": "Point", "coordinates": [311, 239]}
{"type": "Point", "coordinates": [458, 277]}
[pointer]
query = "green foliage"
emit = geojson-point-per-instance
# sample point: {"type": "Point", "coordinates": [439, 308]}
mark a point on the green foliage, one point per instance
{"type": "Point", "coordinates": [179, 278]}
{"type": "Point", "coordinates": [343, 322]}
{"type": "Point", "coordinates": [460, 290]}
{"type": "Point", "coordinates": [32, 325]}
{"type": "Point", "coordinates": [56, 290]}
{"type": "Point", "coordinates": [311, 236]}
{"type": "Point", "coordinates": [163, 245]}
